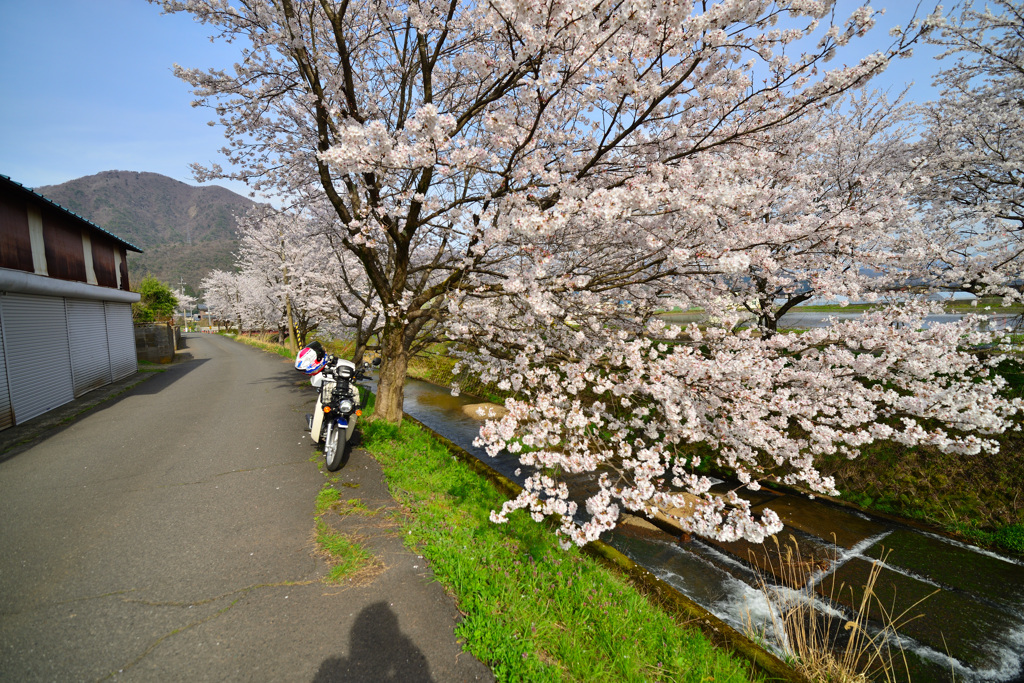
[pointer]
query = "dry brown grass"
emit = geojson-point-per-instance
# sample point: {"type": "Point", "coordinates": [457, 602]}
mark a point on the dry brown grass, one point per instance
{"type": "Point", "coordinates": [828, 645]}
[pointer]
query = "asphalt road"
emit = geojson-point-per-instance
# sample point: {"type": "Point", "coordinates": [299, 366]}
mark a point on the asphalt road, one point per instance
{"type": "Point", "coordinates": [168, 535]}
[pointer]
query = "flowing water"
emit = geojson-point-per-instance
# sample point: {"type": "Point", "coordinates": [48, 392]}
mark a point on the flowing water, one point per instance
{"type": "Point", "coordinates": [970, 601]}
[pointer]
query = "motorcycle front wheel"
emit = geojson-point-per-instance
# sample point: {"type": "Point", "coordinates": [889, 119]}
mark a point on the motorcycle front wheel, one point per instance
{"type": "Point", "coordinates": [335, 447]}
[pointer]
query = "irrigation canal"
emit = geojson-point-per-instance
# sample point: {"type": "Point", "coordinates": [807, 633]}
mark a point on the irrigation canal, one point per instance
{"type": "Point", "coordinates": [968, 625]}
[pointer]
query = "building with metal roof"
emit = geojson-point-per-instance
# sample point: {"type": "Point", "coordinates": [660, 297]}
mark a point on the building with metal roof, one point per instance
{"type": "Point", "coordinates": [65, 305]}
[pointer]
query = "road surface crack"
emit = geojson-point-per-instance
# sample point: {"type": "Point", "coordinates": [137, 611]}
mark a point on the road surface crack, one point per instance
{"type": "Point", "coordinates": [72, 601]}
{"type": "Point", "coordinates": [239, 593]}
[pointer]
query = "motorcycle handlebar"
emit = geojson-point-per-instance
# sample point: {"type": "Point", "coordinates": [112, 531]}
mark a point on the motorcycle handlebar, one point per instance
{"type": "Point", "coordinates": [330, 368]}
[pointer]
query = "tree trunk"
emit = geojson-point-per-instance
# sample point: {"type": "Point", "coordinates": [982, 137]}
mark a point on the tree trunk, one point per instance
{"type": "Point", "coordinates": [360, 351]}
{"type": "Point", "coordinates": [394, 364]}
{"type": "Point", "coordinates": [771, 322]}
{"type": "Point", "coordinates": [768, 321]}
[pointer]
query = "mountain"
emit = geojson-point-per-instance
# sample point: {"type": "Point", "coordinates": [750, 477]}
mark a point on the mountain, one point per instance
{"type": "Point", "coordinates": [184, 230]}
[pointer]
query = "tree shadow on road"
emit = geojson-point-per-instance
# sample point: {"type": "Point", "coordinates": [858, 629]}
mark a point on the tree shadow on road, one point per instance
{"type": "Point", "coordinates": [23, 436]}
{"type": "Point", "coordinates": [378, 652]}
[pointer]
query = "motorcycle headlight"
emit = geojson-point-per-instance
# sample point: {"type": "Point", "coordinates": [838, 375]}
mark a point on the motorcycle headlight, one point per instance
{"type": "Point", "coordinates": [346, 406]}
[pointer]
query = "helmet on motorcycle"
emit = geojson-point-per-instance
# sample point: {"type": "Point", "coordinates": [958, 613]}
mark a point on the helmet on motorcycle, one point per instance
{"type": "Point", "coordinates": [310, 361]}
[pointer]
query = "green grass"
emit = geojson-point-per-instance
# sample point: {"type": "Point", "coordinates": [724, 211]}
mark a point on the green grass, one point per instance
{"type": "Point", "coordinates": [327, 497]}
{"type": "Point", "coordinates": [976, 497]}
{"type": "Point", "coordinates": [346, 556]}
{"type": "Point", "coordinates": [1010, 537]}
{"type": "Point", "coordinates": [357, 507]}
{"type": "Point", "coordinates": [533, 612]}
{"type": "Point", "coordinates": [993, 303]}
{"type": "Point", "coordinates": [263, 342]}
{"type": "Point", "coordinates": [149, 366]}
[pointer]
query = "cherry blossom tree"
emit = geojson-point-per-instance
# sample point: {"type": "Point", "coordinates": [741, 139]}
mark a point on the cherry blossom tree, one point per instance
{"type": "Point", "coordinates": [186, 303]}
{"type": "Point", "coordinates": [444, 136]}
{"type": "Point", "coordinates": [220, 294]}
{"type": "Point", "coordinates": [289, 257]}
{"type": "Point", "coordinates": [603, 391]}
{"type": "Point", "coordinates": [541, 178]}
{"type": "Point", "coordinates": [348, 305]}
{"type": "Point", "coordinates": [974, 149]}
{"type": "Point", "coordinates": [276, 246]}
{"type": "Point", "coordinates": [244, 298]}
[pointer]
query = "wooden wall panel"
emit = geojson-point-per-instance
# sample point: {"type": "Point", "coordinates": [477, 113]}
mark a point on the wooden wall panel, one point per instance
{"type": "Point", "coordinates": [15, 243]}
{"type": "Point", "coordinates": [65, 255]}
{"type": "Point", "coordinates": [104, 264]}
{"type": "Point", "coordinates": [124, 269]}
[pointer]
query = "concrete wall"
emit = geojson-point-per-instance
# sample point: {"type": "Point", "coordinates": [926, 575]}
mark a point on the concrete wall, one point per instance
{"type": "Point", "coordinates": [155, 342]}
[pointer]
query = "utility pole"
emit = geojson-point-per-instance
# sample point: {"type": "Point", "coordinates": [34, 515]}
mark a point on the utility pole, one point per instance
{"type": "Point", "coordinates": [181, 288]}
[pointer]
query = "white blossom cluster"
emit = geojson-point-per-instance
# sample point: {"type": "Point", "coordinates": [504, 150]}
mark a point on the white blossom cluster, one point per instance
{"type": "Point", "coordinates": [629, 408]}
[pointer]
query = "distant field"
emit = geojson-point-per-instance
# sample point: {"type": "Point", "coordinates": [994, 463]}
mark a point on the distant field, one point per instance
{"type": "Point", "coordinates": [985, 305]}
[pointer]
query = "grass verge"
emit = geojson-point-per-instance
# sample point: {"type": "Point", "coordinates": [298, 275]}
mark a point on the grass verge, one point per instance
{"type": "Point", "coordinates": [345, 555]}
{"type": "Point", "coordinates": [531, 610]}
{"type": "Point", "coordinates": [264, 343]}
{"type": "Point", "coordinates": [978, 498]}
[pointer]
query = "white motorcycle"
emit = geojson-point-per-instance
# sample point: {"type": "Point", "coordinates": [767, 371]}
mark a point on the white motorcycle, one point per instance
{"type": "Point", "coordinates": [338, 404]}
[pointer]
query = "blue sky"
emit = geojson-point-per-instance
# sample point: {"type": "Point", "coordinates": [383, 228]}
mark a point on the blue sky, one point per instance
{"type": "Point", "coordinates": [87, 87]}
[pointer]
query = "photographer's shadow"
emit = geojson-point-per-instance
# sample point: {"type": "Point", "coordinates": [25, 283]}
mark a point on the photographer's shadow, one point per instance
{"type": "Point", "coordinates": [378, 652]}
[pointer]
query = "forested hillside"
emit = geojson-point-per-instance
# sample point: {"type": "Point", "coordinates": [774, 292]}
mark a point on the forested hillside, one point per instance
{"type": "Point", "coordinates": [184, 230]}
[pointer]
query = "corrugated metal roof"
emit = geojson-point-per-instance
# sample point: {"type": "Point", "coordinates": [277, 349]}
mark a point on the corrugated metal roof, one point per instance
{"type": "Point", "coordinates": [19, 186]}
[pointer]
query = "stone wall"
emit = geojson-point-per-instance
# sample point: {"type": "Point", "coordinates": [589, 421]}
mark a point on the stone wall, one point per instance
{"type": "Point", "coordinates": [155, 342]}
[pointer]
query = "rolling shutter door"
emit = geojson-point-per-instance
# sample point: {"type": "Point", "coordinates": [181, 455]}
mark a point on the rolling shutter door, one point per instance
{"type": "Point", "coordinates": [6, 414]}
{"type": "Point", "coordinates": [37, 354]}
{"type": "Point", "coordinates": [120, 339]}
{"type": "Point", "coordinates": [90, 358]}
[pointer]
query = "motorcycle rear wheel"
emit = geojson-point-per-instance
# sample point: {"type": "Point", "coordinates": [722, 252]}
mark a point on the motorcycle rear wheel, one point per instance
{"type": "Point", "coordinates": [335, 448]}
